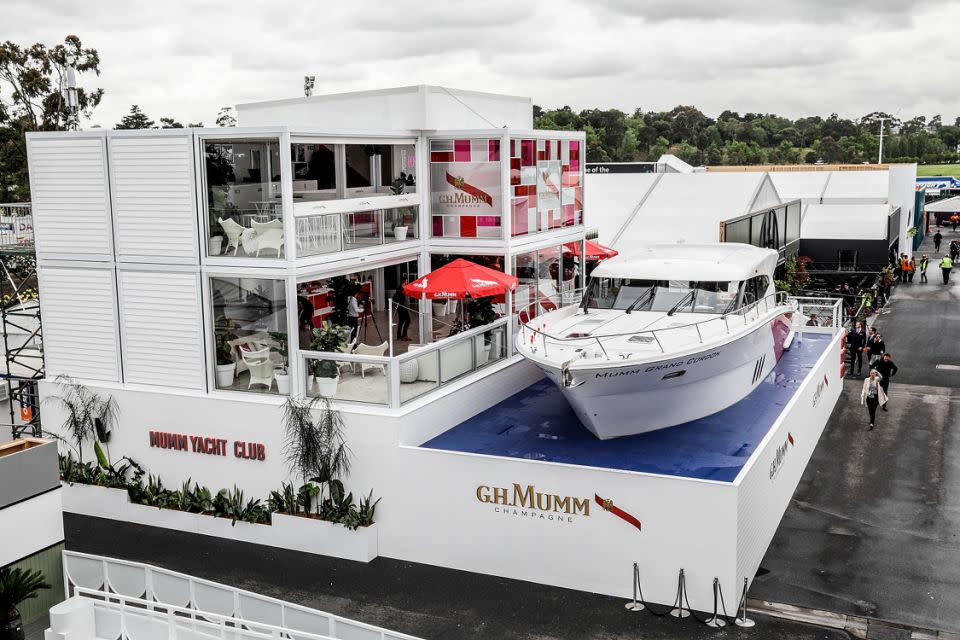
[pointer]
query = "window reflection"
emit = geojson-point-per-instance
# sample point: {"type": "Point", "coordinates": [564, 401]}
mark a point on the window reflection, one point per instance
{"type": "Point", "coordinates": [314, 171]}
{"type": "Point", "coordinates": [250, 334]}
{"type": "Point", "coordinates": [243, 197]}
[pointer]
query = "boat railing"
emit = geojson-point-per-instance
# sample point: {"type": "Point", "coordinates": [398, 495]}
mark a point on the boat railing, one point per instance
{"type": "Point", "coordinates": [535, 333]}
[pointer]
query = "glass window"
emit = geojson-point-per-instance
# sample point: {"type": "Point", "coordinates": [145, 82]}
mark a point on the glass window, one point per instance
{"type": "Point", "coordinates": [314, 171]}
{"type": "Point", "coordinates": [524, 300]}
{"type": "Point", "coordinates": [570, 274]}
{"type": "Point", "coordinates": [250, 334]}
{"type": "Point", "coordinates": [465, 188]}
{"type": "Point", "coordinates": [360, 166]}
{"type": "Point", "coordinates": [245, 215]}
{"type": "Point", "coordinates": [662, 295]}
{"type": "Point", "coordinates": [548, 282]}
{"type": "Point", "coordinates": [398, 168]}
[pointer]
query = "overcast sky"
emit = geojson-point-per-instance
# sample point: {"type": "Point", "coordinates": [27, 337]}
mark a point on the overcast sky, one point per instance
{"type": "Point", "coordinates": [792, 57]}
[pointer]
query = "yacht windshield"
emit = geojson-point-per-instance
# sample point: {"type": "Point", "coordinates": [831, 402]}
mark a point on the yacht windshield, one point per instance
{"type": "Point", "coordinates": [681, 296]}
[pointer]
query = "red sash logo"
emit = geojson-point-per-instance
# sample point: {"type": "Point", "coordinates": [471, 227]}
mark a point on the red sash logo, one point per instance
{"type": "Point", "coordinates": [607, 505]}
{"type": "Point", "coordinates": [459, 183]}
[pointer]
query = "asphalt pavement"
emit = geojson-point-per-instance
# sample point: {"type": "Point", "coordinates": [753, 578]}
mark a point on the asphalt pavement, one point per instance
{"type": "Point", "coordinates": [874, 526]}
{"type": "Point", "coordinates": [421, 600]}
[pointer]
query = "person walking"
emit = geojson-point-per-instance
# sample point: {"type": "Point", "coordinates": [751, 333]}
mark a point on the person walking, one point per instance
{"type": "Point", "coordinates": [875, 348]}
{"type": "Point", "coordinates": [937, 239]}
{"type": "Point", "coordinates": [924, 263]}
{"type": "Point", "coordinates": [856, 342]}
{"type": "Point", "coordinates": [887, 369]}
{"type": "Point", "coordinates": [954, 250]}
{"type": "Point", "coordinates": [946, 264]}
{"type": "Point", "coordinates": [872, 395]}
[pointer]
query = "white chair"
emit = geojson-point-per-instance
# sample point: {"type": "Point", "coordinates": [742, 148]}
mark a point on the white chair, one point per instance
{"type": "Point", "coordinates": [269, 236]}
{"type": "Point", "coordinates": [260, 365]}
{"type": "Point", "coordinates": [233, 231]}
{"type": "Point", "coordinates": [368, 350]}
{"type": "Point", "coordinates": [348, 348]}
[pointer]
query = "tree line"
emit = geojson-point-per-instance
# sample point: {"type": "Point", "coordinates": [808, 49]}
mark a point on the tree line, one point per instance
{"type": "Point", "coordinates": [754, 138]}
{"type": "Point", "coordinates": [34, 97]}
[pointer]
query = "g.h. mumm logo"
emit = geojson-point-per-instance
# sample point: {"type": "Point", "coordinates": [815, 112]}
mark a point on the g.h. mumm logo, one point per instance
{"type": "Point", "coordinates": [781, 455]}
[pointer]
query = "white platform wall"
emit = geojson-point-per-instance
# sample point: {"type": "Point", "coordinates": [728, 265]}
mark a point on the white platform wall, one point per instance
{"type": "Point", "coordinates": [431, 510]}
{"type": "Point", "coordinates": [30, 526]}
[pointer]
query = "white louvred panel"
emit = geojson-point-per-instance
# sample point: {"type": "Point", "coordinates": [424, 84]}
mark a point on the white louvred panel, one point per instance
{"type": "Point", "coordinates": [162, 329]}
{"type": "Point", "coordinates": [71, 208]}
{"type": "Point", "coordinates": [78, 311]}
{"type": "Point", "coordinates": [154, 198]}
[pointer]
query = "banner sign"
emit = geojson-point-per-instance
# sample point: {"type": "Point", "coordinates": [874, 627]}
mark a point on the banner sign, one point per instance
{"type": "Point", "coordinates": [472, 188]}
{"type": "Point", "coordinates": [207, 445]}
{"type": "Point", "coordinates": [621, 167]}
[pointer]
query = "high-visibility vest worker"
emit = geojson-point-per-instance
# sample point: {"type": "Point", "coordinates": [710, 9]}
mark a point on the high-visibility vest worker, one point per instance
{"type": "Point", "coordinates": [946, 263]}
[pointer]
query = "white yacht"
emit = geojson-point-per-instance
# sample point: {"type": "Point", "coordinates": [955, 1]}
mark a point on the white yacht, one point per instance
{"type": "Point", "coordinates": [664, 335]}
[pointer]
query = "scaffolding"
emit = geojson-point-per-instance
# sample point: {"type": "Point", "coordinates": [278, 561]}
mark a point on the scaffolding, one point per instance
{"type": "Point", "coordinates": [20, 320]}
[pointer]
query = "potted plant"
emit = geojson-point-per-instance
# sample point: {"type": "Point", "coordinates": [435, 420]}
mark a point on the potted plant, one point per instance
{"type": "Point", "coordinates": [315, 448]}
{"type": "Point", "coordinates": [215, 245]}
{"type": "Point", "coordinates": [226, 367]}
{"type": "Point", "coordinates": [88, 417]}
{"type": "Point", "coordinates": [329, 337]}
{"type": "Point", "coordinates": [399, 231]}
{"type": "Point", "coordinates": [281, 375]}
{"type": "Point", "coordinates": [17, 585]}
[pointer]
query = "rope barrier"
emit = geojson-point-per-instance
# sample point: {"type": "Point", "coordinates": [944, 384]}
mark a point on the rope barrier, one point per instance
{"type": "Point", "coordinates": [742, 619]}
{"type": "Point", "coordinates": [681, 605]}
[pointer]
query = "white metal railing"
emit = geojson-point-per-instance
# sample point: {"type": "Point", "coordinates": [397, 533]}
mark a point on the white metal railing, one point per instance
{"type": "Point", "coordinates": [820, 315]}
{"type": "Point", "coordinates": [123, 618]}
{"type": "Point", "coordinates": [16, 225]}
{"type": "Point", "coordinates": [533, 333]}
{"type": "Point", "coordinates": [394, 381]}
{"type": "Point", "coordinates": [84, 572]}
{"type": "Point", "coordinates": [320, 232]}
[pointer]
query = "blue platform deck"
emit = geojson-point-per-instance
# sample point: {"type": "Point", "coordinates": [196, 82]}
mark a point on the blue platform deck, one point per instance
{"type": "Point", "coordinates": [538, 424]}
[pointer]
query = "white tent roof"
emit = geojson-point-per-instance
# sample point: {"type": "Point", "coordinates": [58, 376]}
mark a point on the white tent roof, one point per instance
{"type": "Point", "coordinates": [689, 207]}
{"type": "Point", "coordinates": [866, 187]}
{"type": "Point", "coordinates": [800, 185]}
{"type": "Point", "coordinates": [612, 198]}
{"type": "Point", "coordinates": [947, 205]}
{"type": "Point", "coordinates": [844, 221]}
{"type": "Point", "coordinates": [721, 262]}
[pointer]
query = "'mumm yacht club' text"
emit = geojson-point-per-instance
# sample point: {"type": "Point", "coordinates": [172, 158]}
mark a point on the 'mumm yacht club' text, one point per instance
{"type": "Point", "coordinates": [207, 445]}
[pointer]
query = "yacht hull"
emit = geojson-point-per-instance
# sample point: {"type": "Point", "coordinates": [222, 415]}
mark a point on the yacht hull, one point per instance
{"type": "Point", "coordinates": [613, 402]}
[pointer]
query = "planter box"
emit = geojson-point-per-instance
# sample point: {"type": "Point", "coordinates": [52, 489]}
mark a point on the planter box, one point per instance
{"type": "Point", "coordinates": [313, 536]}
{"type": "Point", "coordinates": [287, 532]}
{"type": "Point", "coordinates": [91, 500]}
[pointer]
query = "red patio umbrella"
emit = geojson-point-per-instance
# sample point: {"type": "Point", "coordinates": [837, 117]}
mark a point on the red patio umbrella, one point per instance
{"type": "Point", "coordinates": [595, 250]}
{"type": "Point", "coordinates": [459, 279]}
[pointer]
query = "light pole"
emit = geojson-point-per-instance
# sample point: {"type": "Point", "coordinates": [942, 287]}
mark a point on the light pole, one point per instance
{"type": "Point", "coordinates": [880, 153]}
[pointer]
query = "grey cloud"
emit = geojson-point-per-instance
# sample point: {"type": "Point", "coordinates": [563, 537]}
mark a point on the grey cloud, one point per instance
{"type": "Point", "coordinates": [812, 11]}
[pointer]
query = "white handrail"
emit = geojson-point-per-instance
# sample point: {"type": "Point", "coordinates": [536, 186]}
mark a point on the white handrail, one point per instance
{"type": "Point", "coordinates": [150, 574]}
{"type": "Point", "coordinates": [182, 618]}
{"type": "Point", "coordinates": [779, 299]}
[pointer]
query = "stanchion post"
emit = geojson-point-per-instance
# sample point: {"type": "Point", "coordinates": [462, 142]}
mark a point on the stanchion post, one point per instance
{"type": "Point", "coordinates": [716, 621]}
{"type": "Point", "coordinates": [742, 620]}
{"type": "Point", "coordinates": [635, 605]}
{"type": "Point", "coordinates": [678, 610]}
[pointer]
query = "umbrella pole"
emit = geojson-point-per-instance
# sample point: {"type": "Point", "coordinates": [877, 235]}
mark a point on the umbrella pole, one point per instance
{"type": "Point", "coordinates": [390, 325]}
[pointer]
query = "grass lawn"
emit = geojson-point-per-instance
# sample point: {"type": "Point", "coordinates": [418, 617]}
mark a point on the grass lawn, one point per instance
{"type": "Point", "coordinates": [939, 170]}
